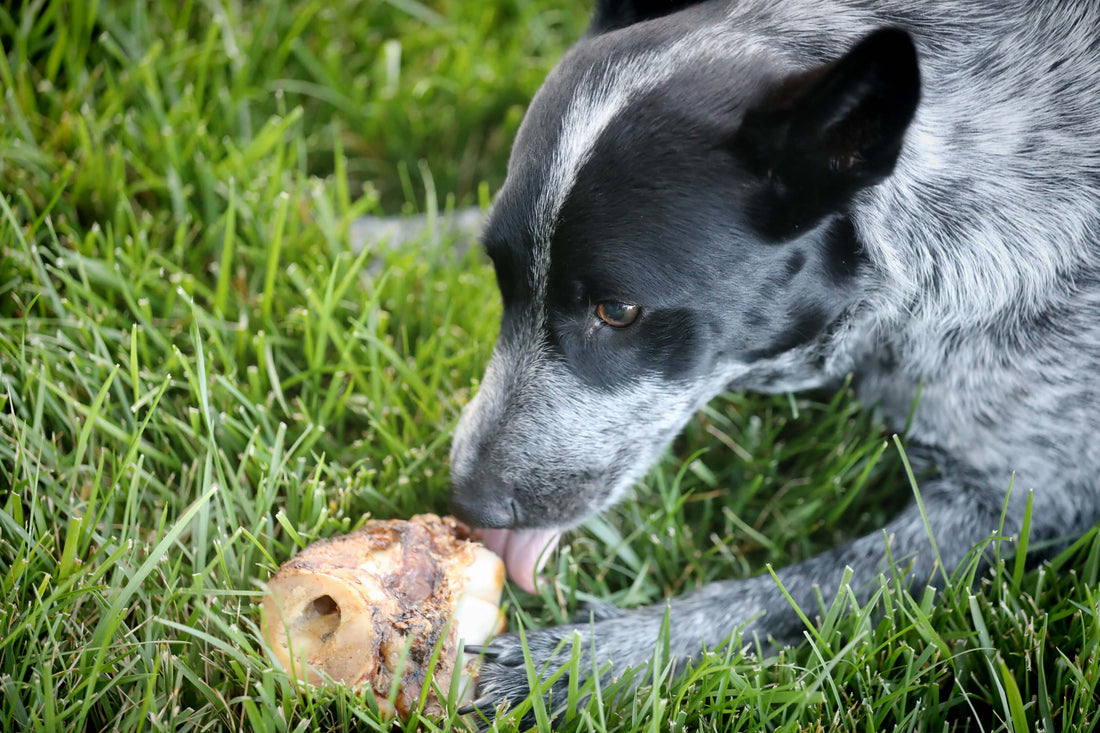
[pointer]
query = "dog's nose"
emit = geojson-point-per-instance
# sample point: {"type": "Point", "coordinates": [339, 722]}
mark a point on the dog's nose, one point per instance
{"type": "Point", "coordinates": [483, 506]}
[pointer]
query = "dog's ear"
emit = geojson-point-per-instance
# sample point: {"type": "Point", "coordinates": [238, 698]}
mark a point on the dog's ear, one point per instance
{"type": "Point", "coordinates": [828, 133]}
{"type": "Point", "coordinates": [613, 14]}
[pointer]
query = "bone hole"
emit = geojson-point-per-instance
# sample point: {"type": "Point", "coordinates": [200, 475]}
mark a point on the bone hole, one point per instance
{"type": "Point", "coordinates": [320, 618]}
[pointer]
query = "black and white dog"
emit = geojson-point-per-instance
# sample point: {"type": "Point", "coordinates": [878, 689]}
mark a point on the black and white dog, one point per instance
{"type": "Point", "coordinates": [771, 195]}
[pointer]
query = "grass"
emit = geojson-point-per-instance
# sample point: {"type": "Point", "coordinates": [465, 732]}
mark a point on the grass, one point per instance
{"type": "Point", "coordinates": [199, 375]}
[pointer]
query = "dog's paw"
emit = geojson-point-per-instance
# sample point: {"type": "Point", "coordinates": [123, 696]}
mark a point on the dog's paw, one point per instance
{"type": "Point", "coordinates": [503, 680]}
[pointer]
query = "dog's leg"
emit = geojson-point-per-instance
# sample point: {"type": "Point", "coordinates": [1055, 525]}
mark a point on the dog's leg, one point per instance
{"type": "Point", "coordinates": [962, 510]}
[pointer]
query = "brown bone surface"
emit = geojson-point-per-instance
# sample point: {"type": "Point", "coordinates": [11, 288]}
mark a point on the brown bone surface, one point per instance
{"type": "Point", "coordinates": [376, 604]}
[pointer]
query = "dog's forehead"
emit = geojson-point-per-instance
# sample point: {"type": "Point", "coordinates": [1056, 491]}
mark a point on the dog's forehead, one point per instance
{"type": "Point", "coordinates": [581, 102]}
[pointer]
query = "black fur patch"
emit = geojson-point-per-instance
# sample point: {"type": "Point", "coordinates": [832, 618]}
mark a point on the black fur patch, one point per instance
{"type": "Point", "coordinates": [613, 14]}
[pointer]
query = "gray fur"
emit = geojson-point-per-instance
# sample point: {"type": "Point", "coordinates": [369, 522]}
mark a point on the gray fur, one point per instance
{"type": "Point", "coordinates": [981, 287]}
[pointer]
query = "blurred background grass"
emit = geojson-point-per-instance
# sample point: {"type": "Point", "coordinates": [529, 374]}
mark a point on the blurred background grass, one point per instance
{"type": "Point", "coordinates": [406, 90]}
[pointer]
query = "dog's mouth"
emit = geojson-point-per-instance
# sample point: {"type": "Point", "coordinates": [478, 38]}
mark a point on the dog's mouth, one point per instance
{"type": "Point", "coordinates": [524, 551]}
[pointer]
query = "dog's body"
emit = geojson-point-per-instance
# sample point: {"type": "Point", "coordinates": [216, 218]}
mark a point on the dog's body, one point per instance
{"type": "Point", "coordinates": [769, 195]}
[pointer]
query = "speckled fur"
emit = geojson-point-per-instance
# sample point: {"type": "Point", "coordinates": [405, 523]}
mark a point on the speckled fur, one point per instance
{"type": "Point", "coordinates": [980, 286]}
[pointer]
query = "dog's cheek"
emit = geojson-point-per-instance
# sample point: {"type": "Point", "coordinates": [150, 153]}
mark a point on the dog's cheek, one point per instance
{"type": "Point", "coordinates": [682, 343]}
{"type": "Point", "coordinates": [670, 345]}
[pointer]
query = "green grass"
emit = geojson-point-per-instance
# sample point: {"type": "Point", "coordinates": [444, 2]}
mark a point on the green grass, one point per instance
{"type": "Point", "coordinates": [198, 376]}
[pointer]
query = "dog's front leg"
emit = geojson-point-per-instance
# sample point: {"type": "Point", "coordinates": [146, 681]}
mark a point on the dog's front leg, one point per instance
{"type": "Point", "coordinates": [685, 626]}
{"type": "Point", "coordinates": [961, 512]}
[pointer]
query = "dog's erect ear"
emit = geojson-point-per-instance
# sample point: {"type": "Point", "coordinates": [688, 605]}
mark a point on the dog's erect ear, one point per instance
{"type": "Point", "coordinates": [613, 14]}
{"type": "Point", "coordinates": [828, 133]}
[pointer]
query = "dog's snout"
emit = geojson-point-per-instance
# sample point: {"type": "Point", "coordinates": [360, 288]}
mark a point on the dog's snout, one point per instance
{"type": "Point", "coordinates": [483, 504]}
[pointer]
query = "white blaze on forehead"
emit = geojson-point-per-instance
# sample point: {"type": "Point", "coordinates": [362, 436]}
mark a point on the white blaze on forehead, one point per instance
{"type": "Point", "coordinates": [604, 92]}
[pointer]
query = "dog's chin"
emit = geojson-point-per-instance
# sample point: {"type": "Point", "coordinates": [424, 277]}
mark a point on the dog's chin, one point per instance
{"type": "Point", "coordinates": [524, 551]}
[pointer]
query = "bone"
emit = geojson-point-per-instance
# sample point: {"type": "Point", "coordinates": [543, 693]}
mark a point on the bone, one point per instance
{"type": "Point", "coordinates": [375, 605]}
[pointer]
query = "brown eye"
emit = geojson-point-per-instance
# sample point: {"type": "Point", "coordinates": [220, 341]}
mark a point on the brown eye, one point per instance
{"type": "Point", "coordinates": [619, 315]}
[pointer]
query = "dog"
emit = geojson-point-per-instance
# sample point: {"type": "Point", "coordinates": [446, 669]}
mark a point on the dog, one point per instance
{"type": "Point", "coordinates": [776, 195]}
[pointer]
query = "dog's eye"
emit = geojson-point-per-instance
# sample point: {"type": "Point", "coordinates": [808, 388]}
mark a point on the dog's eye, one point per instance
{"type": "Point", "coordinates": [619, 315]}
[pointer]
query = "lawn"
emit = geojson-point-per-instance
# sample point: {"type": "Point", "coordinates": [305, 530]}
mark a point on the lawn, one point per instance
{"type": "Point", "coordinates": [202, 371]}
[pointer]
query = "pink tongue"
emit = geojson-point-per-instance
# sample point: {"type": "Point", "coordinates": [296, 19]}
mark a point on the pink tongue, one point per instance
{"type": "Point", "coordinates": [524, 551]}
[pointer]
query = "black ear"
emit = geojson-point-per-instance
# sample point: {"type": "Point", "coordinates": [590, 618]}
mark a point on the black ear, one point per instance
{"type": "Point", "coordinates": [829, 133]}
{"type": "Point", "coordinates": [612, 14]}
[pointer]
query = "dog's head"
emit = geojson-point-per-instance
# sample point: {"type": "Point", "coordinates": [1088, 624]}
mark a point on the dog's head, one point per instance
{"type": "Point", "coordinates": [675, 218]}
